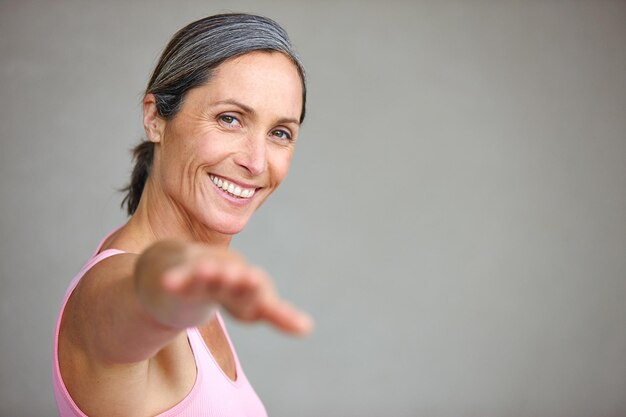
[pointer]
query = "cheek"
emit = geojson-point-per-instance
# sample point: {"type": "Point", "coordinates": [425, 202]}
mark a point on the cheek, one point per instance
{"type": "Point", "coordinates": [213, 148]}
{"type": "Point", "coordinates": [175, 161]}
{"type": "Point", "coordinates": [280, 163]}
{"type": "Point", "coordinates": [179, 165]}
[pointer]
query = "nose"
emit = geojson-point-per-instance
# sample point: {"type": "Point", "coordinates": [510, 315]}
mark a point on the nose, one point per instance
{"type": "Point", "coordinates": [253, 154]}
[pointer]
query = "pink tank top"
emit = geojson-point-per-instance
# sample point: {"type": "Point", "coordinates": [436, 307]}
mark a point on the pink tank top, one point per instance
{"type": "Point", "coordinates": [213, 394]}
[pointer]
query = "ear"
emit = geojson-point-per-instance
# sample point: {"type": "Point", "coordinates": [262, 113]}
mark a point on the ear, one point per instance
{"type": "Point", "coordinates": [153, 124]}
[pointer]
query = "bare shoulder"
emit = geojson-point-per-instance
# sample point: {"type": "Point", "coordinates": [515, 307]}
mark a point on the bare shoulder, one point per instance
{"type": "Point", "coordinates": [111, 389]}
{"type": "Point", "coordinates": [79, 367]}
{"type": "Point", "coordinates": [107, 272]}
{"type": "Point", "coordinates": [76, 315]}
{"type": "Point", "coordinates": [79, 319]}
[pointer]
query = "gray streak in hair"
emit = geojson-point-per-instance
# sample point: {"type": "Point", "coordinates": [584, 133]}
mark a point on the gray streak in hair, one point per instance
{"type": "Point", "coordinates": [196, 50]}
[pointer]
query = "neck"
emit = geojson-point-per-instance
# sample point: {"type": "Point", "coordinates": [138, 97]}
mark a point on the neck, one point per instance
{"type": "Point", "coordinates": [158, 217]}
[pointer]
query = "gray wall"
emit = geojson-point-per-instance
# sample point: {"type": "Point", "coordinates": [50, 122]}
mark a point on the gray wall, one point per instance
{"type": "Point", "coordinates": [455, 218]}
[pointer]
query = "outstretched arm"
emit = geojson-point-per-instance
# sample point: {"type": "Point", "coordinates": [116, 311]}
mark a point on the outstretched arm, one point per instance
{"type": "Point", "coordinates": [130, 307]}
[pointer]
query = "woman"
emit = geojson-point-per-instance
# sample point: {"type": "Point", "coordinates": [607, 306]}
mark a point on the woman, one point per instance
{"type": "Point", "coordinates": [137, 334]}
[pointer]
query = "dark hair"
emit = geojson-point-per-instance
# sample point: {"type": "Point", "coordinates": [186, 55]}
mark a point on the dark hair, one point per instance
{"type": "Point", "coordinates": [188, 61]}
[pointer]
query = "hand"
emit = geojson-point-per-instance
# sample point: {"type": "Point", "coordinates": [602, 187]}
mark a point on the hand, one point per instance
{"type": "Point", "coordinates": [207, 277]}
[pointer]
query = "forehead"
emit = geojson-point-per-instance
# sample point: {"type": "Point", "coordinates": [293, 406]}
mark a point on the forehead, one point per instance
{"type": "Point", "coordinates": [261, 80]}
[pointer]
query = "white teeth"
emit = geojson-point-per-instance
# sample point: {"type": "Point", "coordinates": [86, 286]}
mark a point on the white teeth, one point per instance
{"type": "Point", "coordinates": [232, 188]}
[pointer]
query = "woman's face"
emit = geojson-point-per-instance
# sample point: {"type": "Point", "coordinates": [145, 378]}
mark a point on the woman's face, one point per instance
{"type": "Point", "coordinates": [230, 145]}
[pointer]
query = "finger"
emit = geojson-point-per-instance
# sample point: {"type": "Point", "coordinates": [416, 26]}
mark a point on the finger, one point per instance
{"type": "Point", "coordinates": [251, 291]}
{"type": "Point", "coordinates": [181, 278]}
{"type": "Point", "coordinates": [189, 277]}
{"type": "Point", "coordinates": [243, 297]}
{"type": "Point", "coordinates": [232, 271]}
{"type": "Point", "coordinates": [264, 303]}
{"type": "Point", "coordinates": [225, 281]}
{"type": "Point", "coordinates": [287, 318]}
{"type": "Point", "coordinates": [207, 271]}
{"type": "Point", "coordinates": [251, 281]}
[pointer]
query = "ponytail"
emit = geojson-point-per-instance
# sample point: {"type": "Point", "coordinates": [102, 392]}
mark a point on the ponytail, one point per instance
{"type": "Point", "coordinates": [142, 155]}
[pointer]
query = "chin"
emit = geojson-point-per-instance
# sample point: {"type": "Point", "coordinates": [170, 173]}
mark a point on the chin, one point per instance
{"type": "Point", "coordinates": [227, 227]}
{"type": "Point", "coordinates": [228, 230]}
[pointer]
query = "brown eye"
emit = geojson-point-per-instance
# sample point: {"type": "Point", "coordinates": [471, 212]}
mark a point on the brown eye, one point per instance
{"type": "Point", "coordinates": [229, 121]}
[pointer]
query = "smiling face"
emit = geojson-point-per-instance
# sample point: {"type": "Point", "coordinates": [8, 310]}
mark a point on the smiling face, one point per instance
{"type": "Point", "coordinates": [230, 145]}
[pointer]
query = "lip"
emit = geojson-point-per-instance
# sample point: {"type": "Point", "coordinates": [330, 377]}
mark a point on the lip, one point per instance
{"type": "Point", "coordinates": [236, 201]}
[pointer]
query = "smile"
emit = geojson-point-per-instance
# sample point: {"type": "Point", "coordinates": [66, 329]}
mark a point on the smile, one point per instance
{"type": "Point", "coordinates": [231, 188]}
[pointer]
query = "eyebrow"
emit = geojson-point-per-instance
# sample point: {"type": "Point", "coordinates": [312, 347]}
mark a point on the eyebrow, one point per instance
{"type": "Point", "coordinates": [250, 110]}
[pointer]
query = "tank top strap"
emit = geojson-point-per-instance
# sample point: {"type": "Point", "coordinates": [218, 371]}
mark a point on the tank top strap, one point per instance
{"type": "Point", "coordinates": [107, 253]}
{"type": "Point", "coordinates": [90, 264]}
{"type": "Point", "coordinates": [104, 239]}
{"type": "Point", "coordinates": [95, 257]}
{"type": "Point", "coordinates": [230, 342]}
{"type": "Point", "coordinates": [65, 403]}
